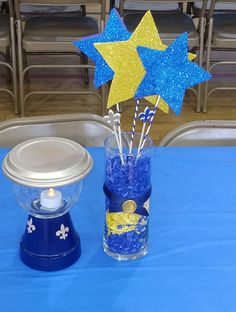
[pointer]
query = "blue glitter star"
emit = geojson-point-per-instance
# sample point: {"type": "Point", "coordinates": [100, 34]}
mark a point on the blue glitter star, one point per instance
{"type": "Point", "coordinates": [115, 30]}
{"type": "Point", "coordinates": [170, 73]}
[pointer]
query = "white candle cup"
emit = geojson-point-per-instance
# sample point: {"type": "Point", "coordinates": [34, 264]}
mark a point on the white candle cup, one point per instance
{"type": "Point", "coordinates": [51, 199]}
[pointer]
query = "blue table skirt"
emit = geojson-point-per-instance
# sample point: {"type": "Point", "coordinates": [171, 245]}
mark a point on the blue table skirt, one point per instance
{"type": "Point", "coordinates": [191, 265]}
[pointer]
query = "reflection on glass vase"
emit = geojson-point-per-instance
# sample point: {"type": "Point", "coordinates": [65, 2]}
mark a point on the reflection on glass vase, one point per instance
{"type": "Point", "coordinates": [127, 190]}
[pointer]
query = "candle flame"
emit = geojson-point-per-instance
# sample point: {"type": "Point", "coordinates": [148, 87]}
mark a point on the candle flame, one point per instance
{"type": "Point", "coordinates": [51, 192]}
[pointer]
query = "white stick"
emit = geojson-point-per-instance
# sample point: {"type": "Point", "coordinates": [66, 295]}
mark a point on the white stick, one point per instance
{"type": "Point", "coordinates": [134, 126]}
{"type": "Point", "coordinates": [119, 133]}
{"type": "Point", "coordinates": [114, 120]}
{"type": "Point", "coordinates": [118, 144]}
{"type": "Point", "coordinates": [141, 138]}
{"type": "Point", "coordinates": [150, 124]}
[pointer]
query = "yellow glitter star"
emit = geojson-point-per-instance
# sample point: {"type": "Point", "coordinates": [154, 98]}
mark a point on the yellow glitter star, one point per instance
{"type": "Point", "coordinates": [123, 58]}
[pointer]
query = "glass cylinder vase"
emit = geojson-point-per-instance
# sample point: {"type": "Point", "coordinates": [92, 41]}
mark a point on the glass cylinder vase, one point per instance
{"type": "Point", "coordinates": [127, 191]}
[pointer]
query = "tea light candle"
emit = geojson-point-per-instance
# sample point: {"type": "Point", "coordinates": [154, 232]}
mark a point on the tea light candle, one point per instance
{"type": "Point", "coordinates": [50, 199]}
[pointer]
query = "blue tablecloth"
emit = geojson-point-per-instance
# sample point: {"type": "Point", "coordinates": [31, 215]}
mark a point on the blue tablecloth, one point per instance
{"type": "Point", "coordinates": [191, 265]}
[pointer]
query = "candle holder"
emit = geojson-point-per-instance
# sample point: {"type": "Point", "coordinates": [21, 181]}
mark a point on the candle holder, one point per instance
{"type": "Point", "coordinates": [127, 188]}
{"type": "Point", "coordinates": [47, 178]}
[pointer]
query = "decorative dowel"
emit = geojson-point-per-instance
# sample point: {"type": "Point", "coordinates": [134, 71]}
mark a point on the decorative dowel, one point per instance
{"type": "Point", "coordinates": [134, 126]}
{"type": "Point", "coordinates": [141, 137]}
{"type": "Point", "coordinates": [119, 134]}
{"type": "Point", "coordinates": [118, 144]}
{"type": "Point", "coordinates": [150, 124]}
{"type": "Point", "coordinates": [145, 116]}
{"type": "Point", "coordinates": [114, 120]}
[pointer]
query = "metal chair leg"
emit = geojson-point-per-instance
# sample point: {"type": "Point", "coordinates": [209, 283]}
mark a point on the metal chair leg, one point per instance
{"type": "Point", "coordinates": [20, 66]}
{"type": "Point", "coordinates": [200, 62]}
{"type": "Point", "coordinates": [208, 60]}
{"type": "Point", "coordinates": [14, 66]}
{"type": "Point", "coordinates": [84, 61]}
{"type": "Point", "coordinates": [8, 71]}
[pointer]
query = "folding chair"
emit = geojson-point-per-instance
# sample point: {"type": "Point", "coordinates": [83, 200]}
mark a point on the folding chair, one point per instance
{"type": "Point", "coordinates": [137, 7]}
{"type": "Point", "coordinates": [202, 133]}
{"type": "Point", "coordinates": [51, 34]}
{"type": "Point", "coordinates": [221, 31]}
{"type": "Point", "coordinates": [87, 129]}
{"type": "Point", "coordinates": [7, 49]}
{"type": "Point", "coordinates": [28, 10]}
{"type": "Point", "coordinates": [220, 7]}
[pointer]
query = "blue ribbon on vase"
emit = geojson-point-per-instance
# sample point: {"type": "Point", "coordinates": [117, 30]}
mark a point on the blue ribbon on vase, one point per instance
{"type": "Point", "coordinates": [118, 203]}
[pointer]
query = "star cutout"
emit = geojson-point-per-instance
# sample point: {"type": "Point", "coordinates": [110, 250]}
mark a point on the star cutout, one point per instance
{"type": "Point", "coordinates": [170, 73]}
{"type": "Point", "coordinates": [115, 30]}
{"type": "Point", "coordinates": [124, 60]}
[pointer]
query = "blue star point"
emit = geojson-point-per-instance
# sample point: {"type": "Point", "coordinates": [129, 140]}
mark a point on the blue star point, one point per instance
{"type": "Point", "coordinates": [115, 30]}
{"type": "Point", "coordinates": [169, 73]}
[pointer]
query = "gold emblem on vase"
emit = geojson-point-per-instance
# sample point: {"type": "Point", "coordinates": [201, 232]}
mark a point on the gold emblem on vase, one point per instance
{"type": "Point", "coordinates": [129, 206]}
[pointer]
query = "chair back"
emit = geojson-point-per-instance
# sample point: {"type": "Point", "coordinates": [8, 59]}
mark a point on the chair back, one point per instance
{"type": "Point", "coordinates": [202, 133]}
{"type": "Point", "coordinates": [8, 44]}
{"type": "Point", "coordinates": [86, 129]}
{"type": "Point", "coordinates": [148, 2]}
{"type": "Point", "coordinates": [153, 5]}
{"type": "Point", "coordinates": [220, 4]}
{"type": "Point", "coordinates": [102, 4]}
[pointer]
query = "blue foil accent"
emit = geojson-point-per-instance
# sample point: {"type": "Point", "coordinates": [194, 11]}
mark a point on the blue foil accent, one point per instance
{"type": "Point", "coordinates": [116, 201]}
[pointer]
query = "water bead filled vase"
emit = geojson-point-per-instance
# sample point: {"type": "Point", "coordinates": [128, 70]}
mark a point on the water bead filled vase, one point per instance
{"type": "Point", "coordinates": [47, 176]}
{"type": "Point", "coordinates": [127, 188]}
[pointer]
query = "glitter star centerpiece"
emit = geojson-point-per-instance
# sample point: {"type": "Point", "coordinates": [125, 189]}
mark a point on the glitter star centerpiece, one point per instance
{"type": "Point", "coordinates": [124, 60]}
{"type": "Point", "coordinates": [115, 30]}
{"type": "Point", "coordinates": [170, 73]}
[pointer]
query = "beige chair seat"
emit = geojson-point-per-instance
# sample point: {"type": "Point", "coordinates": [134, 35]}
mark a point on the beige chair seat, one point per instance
{"type": "Point", "coordinates": [56, 34]}
{"type": "Point", "coordinates": [224, 32]}
{"type": "Point", "coordinates": [170, 26]}
{"type": "Point", "coordinates": [4, 31]}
